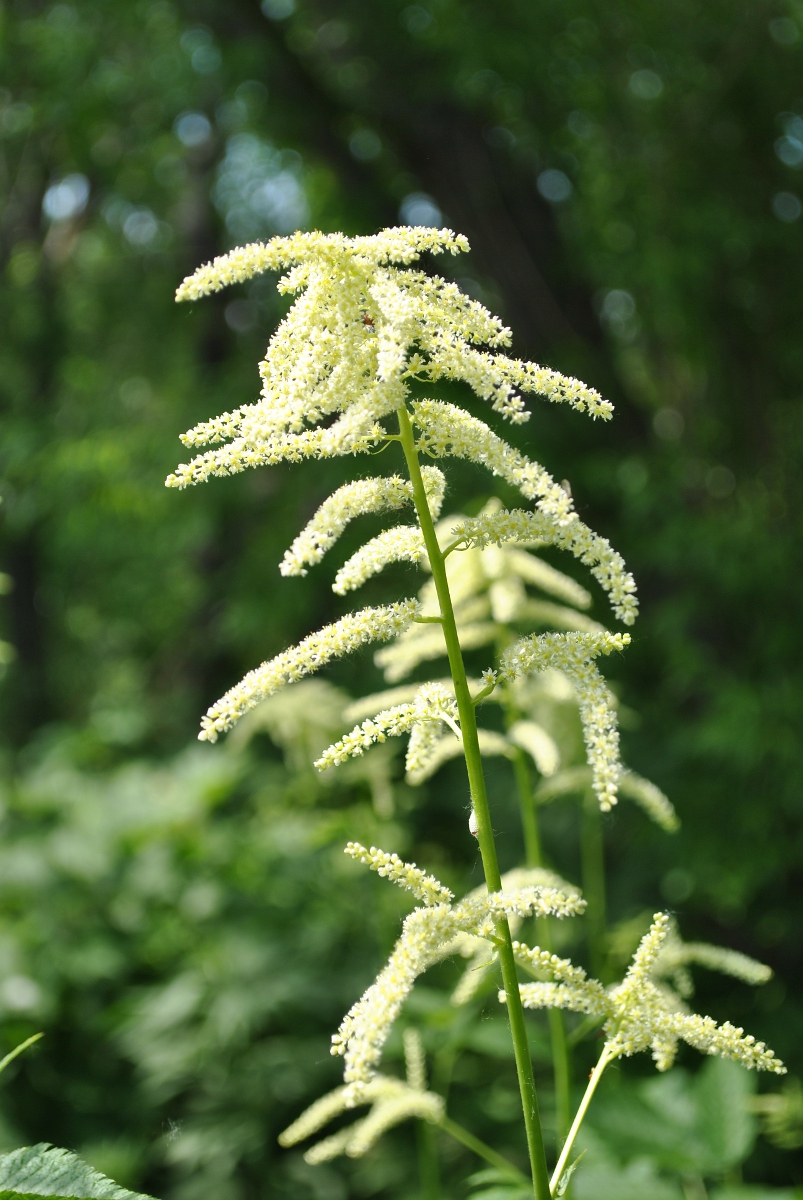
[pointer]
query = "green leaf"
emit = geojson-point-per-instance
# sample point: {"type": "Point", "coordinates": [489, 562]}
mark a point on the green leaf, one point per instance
{"type": "Point", "coordinates": [656, 1119]}
{"type": "Point", "coordinates": [504, 1189]}
{"type": "Point", "coordinates": [686, 1123]}
{"type": "Point", "coordinates": [725, 1123]}
{"type": "Point", "coordinates": [45, 1170]}
{"type": "Point", "coordinates": [638, 1181]}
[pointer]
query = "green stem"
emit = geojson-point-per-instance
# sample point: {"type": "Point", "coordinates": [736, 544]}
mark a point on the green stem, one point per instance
{"type": "Point", "coordinates": [473, 1143]}
{"type": "Point", "coordinates": [428, 1167]}
{"type": "Point", "coordinates": [529, 819]}
{"type": "Point", "coordinates": [561, 1062]}
{"type": "Point", "coordinates": [596, 1075]}
{"type": "Point", "coordinates": [593, 856]}
{"type": "Point", "coordinates": [479, 799]}
{"type": "Point", "coordinates": [561, 1067]}
{"type": "Point", "coordinates": [9, 1058]}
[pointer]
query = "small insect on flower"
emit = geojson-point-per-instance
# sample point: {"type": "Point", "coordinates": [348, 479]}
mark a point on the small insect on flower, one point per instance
{"type": "Point", "coordinates": [473, 828]}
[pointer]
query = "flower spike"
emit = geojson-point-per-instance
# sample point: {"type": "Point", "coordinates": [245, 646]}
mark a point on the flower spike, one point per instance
{"type": "Point", "coordinates": [407, 875]}
{"type": "Point", "coordinates": [573, 653]}
{"type": "Point", "coordinates": [349, 501]}
{"type": "Point", "coordinates": [333, 641]}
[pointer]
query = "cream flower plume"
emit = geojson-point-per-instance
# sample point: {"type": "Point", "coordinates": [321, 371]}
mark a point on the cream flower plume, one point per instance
{"type": "Point", "coordinates": [362, 326]}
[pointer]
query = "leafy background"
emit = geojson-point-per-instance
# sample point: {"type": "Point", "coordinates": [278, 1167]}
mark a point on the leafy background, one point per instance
{"type": "Point", "coordinates": [179, 920]}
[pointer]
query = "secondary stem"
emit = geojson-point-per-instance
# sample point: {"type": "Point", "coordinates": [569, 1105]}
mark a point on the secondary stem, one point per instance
{"type": "Point", "coordinates": [561, 1064]}
{"type": "Point", "coordinates": [479, 798]}
{"type": "Point", "coordinates": [593, 857]}
{"type": "Point", "coordinates": [561, 1068]}
{"type": "Point", "coordinates": [529, 819]}
{"type": "Point", "coordinates": [473, 1143]}
{"type": "Point", "coordinates": [596, 1075]}
{"type": "Point", "coordinates": [428, 1162]}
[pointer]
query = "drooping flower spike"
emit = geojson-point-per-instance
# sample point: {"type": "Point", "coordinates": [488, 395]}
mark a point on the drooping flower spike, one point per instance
{"type": "Point", "coordinates": [392, 1101]}
{"type": "Point", "coordinates": [352, 500]}
{"type": "Point", "coordinates": [333, 641]}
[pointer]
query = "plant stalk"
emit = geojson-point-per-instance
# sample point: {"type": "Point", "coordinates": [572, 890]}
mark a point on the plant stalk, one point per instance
{"type": "Point", "coordinates": [594, 1079]}
{"type": "Point", "coordinates": [561, 1066]}
{"type": "Point", "coordinates": [479, 798]}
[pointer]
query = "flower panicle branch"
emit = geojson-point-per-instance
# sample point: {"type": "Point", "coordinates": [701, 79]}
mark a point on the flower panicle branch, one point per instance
{"type": "Point", "coordinates": [429, 934]}
{"type": "Point", "coordinates": [392, 1101]}
{"type": "Point", "coordinates": [400, 543]}
{"type": "Point", "coordinates": [360, 497]}
{"type": "Point", "coordinates": [432, 706]}
{"type": "Point", "coordinates": [643, 1012]}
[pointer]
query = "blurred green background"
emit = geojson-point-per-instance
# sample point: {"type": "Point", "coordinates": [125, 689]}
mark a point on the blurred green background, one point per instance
{"type": "Point", "coordinates": [629, 177]}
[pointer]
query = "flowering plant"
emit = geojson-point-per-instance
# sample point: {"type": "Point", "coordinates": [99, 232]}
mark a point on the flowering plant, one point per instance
{"type": "Point", "coordinates": [337, 380]}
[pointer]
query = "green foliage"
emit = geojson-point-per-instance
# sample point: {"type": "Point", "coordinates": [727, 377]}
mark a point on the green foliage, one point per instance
{"type": "Point", "coordinates": [698, 1124]}
{"type": "Point", "coordinates": [672, 1135]}
{"type": "Point", "coordinates": [191, 933]}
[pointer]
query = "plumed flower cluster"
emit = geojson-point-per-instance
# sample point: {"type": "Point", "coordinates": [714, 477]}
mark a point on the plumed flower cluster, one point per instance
{"type": "Point", "coordinates": [333, 641]}
{"type": "Point", "coordinates": [432, 706]}
{"type": "Point", "coordinates": [392, 1101]}
{"type": "Point", "coordinates": [363, 325]}
{"type": "Point", "coordinates": [400, 543]}
{"type": "Point", "coordinates": [426, 755]}
{"type": "Point", "coordinates": [480, 951]}
{"type": "Point", "coordinates": [424, 887]}
{"type": "Point", "coordinates": [444, 429]}
{"type": "Point", "coordinates": [676, 956]}
{"type": "Point", "coordinates": [642, 1012]}
{"type": "Point", "coordinates": [488, 581]}
{"type": "Point", "coordinates": [429, 935]}
{"type": "Point", "coordinates": [488, 590]}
